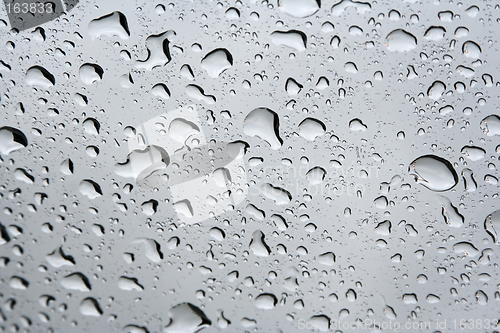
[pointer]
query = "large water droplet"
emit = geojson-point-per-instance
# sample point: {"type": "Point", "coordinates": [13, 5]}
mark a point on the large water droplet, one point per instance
{"type": "Point", "coordinates": [142, 163]}
{"type": "Point", "coordinates": [90, 307]}
{"type": "Point", "coordinates": [152, 249]}
{"type": "Point", "coordinates": [90, 189]}
{"type": "Point", "coordinates": [11, 139]}
{"type": "Point", "coordinates": [473, 153]}
{"type": "Point", "coordinates": [278, 194]}
{"type": "Point", "coordinates": [434, 172]}
{"type": "Point", "coordinates": [128, 284]}
{"type": "Point", "coordinates": [266, 301]}
{"type": "Point", "coordinates": [361, 7]}
{"type": "Point", "coordinates": [158, 51]}
{"type": "Point", "coordinates": [90, 73]}
{"type": "Point", "coordinates": [491, 125]}
{"type": "Point", "coordinates": [113, 24]}
{"type": "Point", "coordinates": [292, 87]}
{"type": "Point", "coordinates": [39, 76]}
{"type": "Point", "coordinates": [471, 50]}
{"type": "Point", "coordinates": [327, 258]}
{"type": "Point", "coordinates": [465, 248]}
{"type": "Point", "coordinates": [401, 41]}
{"type": "Point", "coordinates": [76, 281]}
{"type": "Point", "coordinates": [436, 90]}
{"type": "Point", "coordinates": [492, 226]}
{"type": "Point", "coordinates": [198, 93]}
{"type": "Point", "coordinates": [311, 128]}
{"type": "Point", "coordinates": [263, 123]}
{"type": "Point", "coordinates": [216, 62]}
{"type": "Point", "coordinates": [186, 318]}
{"type": "Point", "coordinates": [450, 213]}
{"type": "Point", "coordinates": [258, 246]}
{"type": "Point", "coordinates": [299, 8]}
{"type": "Point", "coordinates": [435, 33]}
{"type": "Point", "coordinates": [293, 38]}
{"type": "Point", "coordinates": [58, 258]}
{"type": "Point", "coordinates": [160, 90]}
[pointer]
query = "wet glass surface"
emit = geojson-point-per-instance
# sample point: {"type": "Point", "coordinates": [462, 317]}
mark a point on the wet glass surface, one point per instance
{"type": "Point", "coordinates": [251, 166]}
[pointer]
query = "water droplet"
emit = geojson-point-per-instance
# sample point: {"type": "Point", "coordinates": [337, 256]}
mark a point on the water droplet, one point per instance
{"type": "Point", "coordinates": [401, 41]}
{"type": "Point", "coordinates": [17, 282]}
{"type": "Point", "coordinates": [90, 307]}
{"type": "Point", "coordinates": [299, 8]}
{"type": "Point", "coordinates": [128, 284]}
{"type": "Point", "coordinates": [311, 128]}
{"type": "Point", "coordinates": [461, 32]}
{"type": "Point", "coordinates": [198, 94]}
{"type": "Point", "coordinates": [436, 90]}
{"type": "Point", "coordinates": [465, 248]}
{"type": "Point", "coordinates": [57, 258]}
{"type": "Point", "coordinates": [465, 71]}
{"type": "Point", "coordinates": [279, 222]}
{"type": "Point", "coordinates": [266, 301]}
{"type": "Point", "coordinates": [160, 90]}
{"type": "Point", "coordinates": [142, 163]}
{"type": "Point", "coordinates": [113, 24]}
{"type": "Point", "coordinates": [293, 39]}
{"type": "Point", "coordinates": [384, 228]}
{"type": "Point", "coordinates": [434, 172]}
{"type": "Point", "coordinates": [472, 11]}
{"type": "Point", "coordinates": [490, 125]}
{"type": "Point", "coordinates": [217, 233]}
{"type": "Point", "coordinates": [91, 126]}
{"type": "Point", "coordinates": [278, 194]}
{"type": "Point", "coordinates": [469, 181]}
{"type": "Point", "coordinates": [450, 213]}
{"type": "Point", "coordinates": [435, 33]}
{"type": "Point", "coordinates": [232, 13]}
{"type": "Point", "coordinates": [152, 249]}
{"type": "Point", "coordinates": [39, 76]}
{"type": "Point", "coordinates": [186, 318]}
{"type": "Point", "coordinates": [90, 189]}
{"type": "Point", "coordinates": [158, 51]}
{"type": "Point", "coordinates": [473, 153]}
{"type": "Point", "coordinates": [340, 7]}
{"type": "Point", "coordinates": [216, 62]}
{"type": "Point", "coordinates": [357, 125]}
{"type": "Point", "coordinates": [471, 50]}
{"type": "Point", "coordinates": [323, 83]}
{"type": "Point", "coordinates": [76, 281]}
{"type": "Point", "coordinates": [327, 27]}
{"type": "Point", "coordinates": [90, 73]}
{"type": "Point", "coordinates": [292, 87]}
{"type": "Point", "coordinates": [11, 139]}
{"type": "Point", "coordinates": [350, 67]}
{"type": "Point", "coordinates": [264, 124]}
{"type": "Point", "coordinates": [258, 246]}
{"type": "Point", "coordinates": [327, 259]}
{"type": "Point", "coordinates": [492, 226]}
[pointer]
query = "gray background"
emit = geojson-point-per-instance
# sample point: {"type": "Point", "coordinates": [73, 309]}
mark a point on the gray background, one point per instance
{"type": "Point", "coordinates": [391, 105]}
